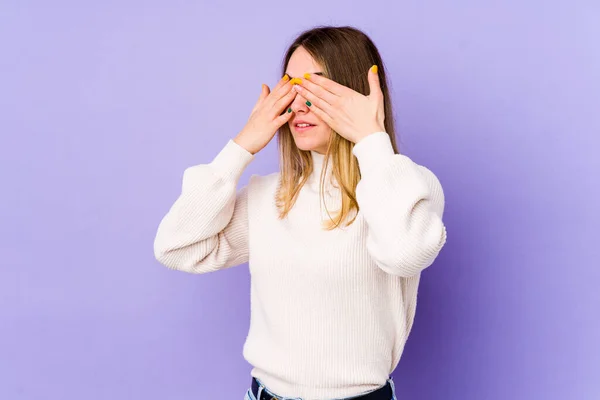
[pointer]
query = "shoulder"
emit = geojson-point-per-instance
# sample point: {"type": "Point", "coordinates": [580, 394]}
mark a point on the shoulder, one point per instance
{"type": "Point", "coordinates": [263, 184]}
{"type": "Point", "coordinates": [261, 196]}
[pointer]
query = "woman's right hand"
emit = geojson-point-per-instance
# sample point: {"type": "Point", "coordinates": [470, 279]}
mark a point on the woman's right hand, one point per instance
{"type": "Point", "coordinates": [267, 117]}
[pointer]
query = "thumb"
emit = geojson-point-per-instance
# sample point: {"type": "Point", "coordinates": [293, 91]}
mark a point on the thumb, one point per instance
{"type": "Point", "coordinates": [374, 86]}
{"type": "Point", "coordinates": [264, 92]}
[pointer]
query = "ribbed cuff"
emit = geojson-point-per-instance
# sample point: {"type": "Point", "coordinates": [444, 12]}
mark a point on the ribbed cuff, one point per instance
{"type": "Point", "coordinates": [372, 151]}
{"type": "Point", "coordinates": [231, 162]}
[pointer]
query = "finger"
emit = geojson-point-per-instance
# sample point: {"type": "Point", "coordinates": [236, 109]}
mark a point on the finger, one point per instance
{"type": "Point", "coordinates": [281, 104]}
{"type": "Point", "coordinates": [280, 92]}
{"type": "Point", "coordinates": [280, 88]}
{"type": "Point", "coordinates": [376, 93]}
{"type": "Point", "coordinates": [264, 92]}
{"type": "Point", "coordinates": [283, 118]}
{"type": "Point", "coordinates": [319, 112]}
{"type": "Point", "coordinates": [285, 79]}
{"type": "Point", "coordinates": [317, 90]}
{"type": "Point", "coordinates": [374, 85]}
{"type": "Point", "coordinates": [312, 98]}
{"type": "Point", "coordinates": [328, 84]}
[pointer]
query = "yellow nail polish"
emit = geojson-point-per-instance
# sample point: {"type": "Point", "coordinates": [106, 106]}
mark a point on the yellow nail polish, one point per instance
{"type": "Point", "coordinates": [307, 75]}
{"type": "Point", "coordinates": [374, 69]}
{"type": "Point", "coordinates": [286, 78]}
{"type": "Point", "coordinates": [296, 81]}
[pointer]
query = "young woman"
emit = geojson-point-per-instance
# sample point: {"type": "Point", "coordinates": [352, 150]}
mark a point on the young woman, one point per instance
{"type": "Point", "coordinates": [335, 241]}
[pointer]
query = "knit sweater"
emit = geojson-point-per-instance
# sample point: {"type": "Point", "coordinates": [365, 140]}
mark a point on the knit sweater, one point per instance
{"type": "Point", "coordinates": [330, 310]}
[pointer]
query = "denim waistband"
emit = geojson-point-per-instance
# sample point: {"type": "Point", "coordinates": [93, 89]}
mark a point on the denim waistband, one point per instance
{"type": "Point", "coordinates": [262, 388]}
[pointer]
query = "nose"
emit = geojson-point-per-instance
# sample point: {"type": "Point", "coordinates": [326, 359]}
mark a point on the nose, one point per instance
{"type": "Point", "coordinates": [299, 106]}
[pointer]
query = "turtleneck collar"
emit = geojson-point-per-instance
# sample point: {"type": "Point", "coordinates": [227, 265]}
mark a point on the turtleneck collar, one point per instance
{"type": "Point", "coordinates": [318, 161]}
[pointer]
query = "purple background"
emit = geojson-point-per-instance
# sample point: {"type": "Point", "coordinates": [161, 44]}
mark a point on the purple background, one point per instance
{"type": "Point", "coordinates": [102, 107]}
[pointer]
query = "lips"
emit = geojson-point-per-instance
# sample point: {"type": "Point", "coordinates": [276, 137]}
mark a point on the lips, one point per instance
{"type": "Point", "coordinates": [300, 124]}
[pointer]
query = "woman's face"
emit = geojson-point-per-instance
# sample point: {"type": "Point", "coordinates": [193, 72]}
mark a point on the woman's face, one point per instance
{"type": "Point", "coordinates": [316, 136]}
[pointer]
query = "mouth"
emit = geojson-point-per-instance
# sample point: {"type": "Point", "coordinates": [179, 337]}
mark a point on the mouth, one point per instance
{"type": "Point", "coordinates": [302, 126]}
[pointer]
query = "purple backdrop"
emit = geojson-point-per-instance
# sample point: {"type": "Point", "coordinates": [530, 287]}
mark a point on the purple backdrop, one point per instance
{"type": "Point", "coordinates": [103, 105]}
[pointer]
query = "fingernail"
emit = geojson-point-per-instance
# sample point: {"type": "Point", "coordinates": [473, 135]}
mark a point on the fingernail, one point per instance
{"type": "Point", "coordinates": [286, 78]}
{"type": "Point", "coordinates": [296, 88]}
{"type": "Point", "coordinates": [296, 81]}
{"type": "Point", "coordinates": [307, 75]}
{"type": "Point", "coordinates": [308, 103]}
{"type": "Point", "coordinates": [289, 110]}
{"type": "Point", "coordinates": [374, 69]}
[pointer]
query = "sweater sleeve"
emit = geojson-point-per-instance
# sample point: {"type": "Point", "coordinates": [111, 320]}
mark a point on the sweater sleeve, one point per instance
{"type": "Point", "coordinates": [402, 204]}
{"type": "Point", "coordinates": [206, 229]}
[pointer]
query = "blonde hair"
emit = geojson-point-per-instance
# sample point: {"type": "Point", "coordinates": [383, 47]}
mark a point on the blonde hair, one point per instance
{"type": "Point", "coordinates": [345, 54]}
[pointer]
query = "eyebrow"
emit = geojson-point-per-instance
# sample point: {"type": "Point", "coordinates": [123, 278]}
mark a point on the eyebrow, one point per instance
{"type": "Point", "coordinates": [315, 73]}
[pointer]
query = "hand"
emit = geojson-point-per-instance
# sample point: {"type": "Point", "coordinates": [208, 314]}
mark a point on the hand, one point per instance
{"type": "Point", "coordinates": [346, 111]}
{"type": "Point", "coordinates": [267, 117]}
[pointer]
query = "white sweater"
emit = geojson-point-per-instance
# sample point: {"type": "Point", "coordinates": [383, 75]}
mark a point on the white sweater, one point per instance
{"type": "Point", "coordinates": [330, 310]}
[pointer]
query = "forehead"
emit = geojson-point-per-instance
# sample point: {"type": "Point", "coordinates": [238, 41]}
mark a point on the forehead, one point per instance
{"type": "Point", "coordinates": [300, 62]}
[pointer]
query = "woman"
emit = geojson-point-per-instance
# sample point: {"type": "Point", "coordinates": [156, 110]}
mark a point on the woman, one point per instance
{"type": "Point", "coordinates": [335, 241]}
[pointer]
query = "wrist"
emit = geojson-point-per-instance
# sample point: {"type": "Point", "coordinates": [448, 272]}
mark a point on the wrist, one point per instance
{"type": "Point", "coordinates": [242, 141]}
{"type": "Point", "coordinates": [369, 133]}
{"type": "Point", "coordinates": [373, 151]}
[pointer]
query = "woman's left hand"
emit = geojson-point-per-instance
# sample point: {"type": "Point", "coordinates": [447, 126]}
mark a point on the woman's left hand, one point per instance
{"type": "Point", "coordinates": [349, 113]}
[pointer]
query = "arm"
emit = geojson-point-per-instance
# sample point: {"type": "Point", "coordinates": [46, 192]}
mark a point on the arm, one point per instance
{"type": "Point", "coordinates": [206, 228]}
{"type": "Point", "coordinates": [402, 204]}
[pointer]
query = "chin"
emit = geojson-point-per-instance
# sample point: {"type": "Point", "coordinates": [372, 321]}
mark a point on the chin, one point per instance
{"type": "Point", "coordinates": [306, 144]}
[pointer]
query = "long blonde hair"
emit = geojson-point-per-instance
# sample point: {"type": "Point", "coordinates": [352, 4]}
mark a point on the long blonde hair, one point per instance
{"type": "Point", "coordinates": [345, 54]}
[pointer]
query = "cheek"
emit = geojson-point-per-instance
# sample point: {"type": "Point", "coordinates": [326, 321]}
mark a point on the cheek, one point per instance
{"type": "Point", "coordinates": [316, 118]}
{"type": "Point", "coordinates": [324, 133]}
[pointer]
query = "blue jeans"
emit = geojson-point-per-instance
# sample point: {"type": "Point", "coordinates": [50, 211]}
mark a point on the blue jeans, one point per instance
{"type": "Point", "coordinates": [262, 388]}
